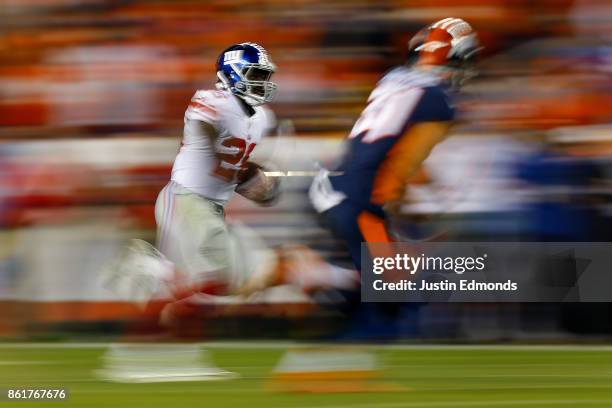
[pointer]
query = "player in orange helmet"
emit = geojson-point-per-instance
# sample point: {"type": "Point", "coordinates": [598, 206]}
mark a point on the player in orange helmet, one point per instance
{"type": "Point", "coordinates": [407, 114]}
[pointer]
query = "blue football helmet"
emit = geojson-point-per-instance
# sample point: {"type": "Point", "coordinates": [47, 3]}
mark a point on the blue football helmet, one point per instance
{"type": "Point", "coordinates": [245, 70]}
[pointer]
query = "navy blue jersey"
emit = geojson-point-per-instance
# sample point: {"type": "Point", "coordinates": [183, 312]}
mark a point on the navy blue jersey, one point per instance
{"type": "Point", "coordinates": [402, 99]}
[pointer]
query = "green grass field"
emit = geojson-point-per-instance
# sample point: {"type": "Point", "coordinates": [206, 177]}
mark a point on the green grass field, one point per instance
{"type": "Point", "coordinates": [436, 376]}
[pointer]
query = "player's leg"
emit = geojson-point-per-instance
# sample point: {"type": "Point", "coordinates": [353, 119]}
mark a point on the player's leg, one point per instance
{"type": "Point", "coordinates": [354, 225]}
{"type": "Point", "coordinates": [193, 235]}
{"type": "Point", "coordinates": [196, 240]}
{"type": "Point", "coordinates": [165, 207]}
{"type": "Point", "coordinates": [139, 271]}
{"type": "Point", "coordinates": [303, 268]}
{"type": "Point", "coordinates": [190, 232]}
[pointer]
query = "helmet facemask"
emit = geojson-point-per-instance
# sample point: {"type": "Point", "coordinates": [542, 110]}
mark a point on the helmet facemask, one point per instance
{"type": "Point", "coordinates": [462, 60]}
{"type": "Point", "coordinates": [463, 68]}
{"type": "Point", "coordinates": [252, 84]}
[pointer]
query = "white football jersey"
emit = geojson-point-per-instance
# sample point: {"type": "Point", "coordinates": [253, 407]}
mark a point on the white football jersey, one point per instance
{"type": "Point", "coordinates": [392, 103]}
{"type": "Point", "coordinates": [209, 170]}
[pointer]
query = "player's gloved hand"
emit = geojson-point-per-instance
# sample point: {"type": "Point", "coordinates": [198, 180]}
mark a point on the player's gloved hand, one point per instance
{"type": "Point", "coordinates": [257, 186]}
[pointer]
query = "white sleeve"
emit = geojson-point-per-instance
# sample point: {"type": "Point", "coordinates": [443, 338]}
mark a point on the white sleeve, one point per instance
{"type": "Point", "coordinates": [205, 108]}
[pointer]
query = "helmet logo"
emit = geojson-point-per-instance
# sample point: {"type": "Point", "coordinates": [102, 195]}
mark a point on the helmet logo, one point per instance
{"type": "Point", "coordinates": [233, 56]}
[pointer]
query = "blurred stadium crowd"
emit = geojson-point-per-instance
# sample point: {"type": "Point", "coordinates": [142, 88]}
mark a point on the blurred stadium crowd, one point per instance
{"type": "Point", "coordinates": [92, 95]}
{"type": "Point", "coordinates": [98, 67]}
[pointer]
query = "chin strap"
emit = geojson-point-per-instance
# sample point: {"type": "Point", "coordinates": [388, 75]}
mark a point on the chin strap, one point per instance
{"type": "Point", "coordinates": [222, 84]}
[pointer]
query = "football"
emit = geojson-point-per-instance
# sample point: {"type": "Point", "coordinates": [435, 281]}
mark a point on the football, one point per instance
{"type": "Point", "coordinates": [259, 187]}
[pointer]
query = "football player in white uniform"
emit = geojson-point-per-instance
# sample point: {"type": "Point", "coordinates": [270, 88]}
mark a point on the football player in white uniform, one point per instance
{"type": "Point", "coordinates": [195, 247]}
{"type": "Point", "coordinates": [222, 127]}
{"type": "Point", "coordinates": [196, 251]}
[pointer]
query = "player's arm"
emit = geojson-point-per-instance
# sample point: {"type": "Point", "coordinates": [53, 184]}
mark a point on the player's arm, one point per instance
{"type": "Point", "coordinates": [258, 186]}
{"type": "Point", "coordinates": [405, 158]}
{"type": "Point", "coordinates": [254, 184]}
{"type": "Point", "coordinates": [252, 181]}
{"type": "Point", "coordinates": [429, 125]}
{"type": "Point", "coordinates": [203, 111]}
{"type": "Point", "coordinates": [209, 131]}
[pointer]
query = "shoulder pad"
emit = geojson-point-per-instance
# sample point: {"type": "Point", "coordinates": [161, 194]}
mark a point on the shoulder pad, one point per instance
{"type": "Point", "coordinates": [207, 105]}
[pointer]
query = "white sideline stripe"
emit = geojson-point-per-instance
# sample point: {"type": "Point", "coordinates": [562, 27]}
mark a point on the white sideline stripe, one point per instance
{"type": "Point", "coordinates": [504, 347]}
{"type": "Point", "coordinates": [486, 403]}
{"type": "Point", "coordinates": [291, 344]}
